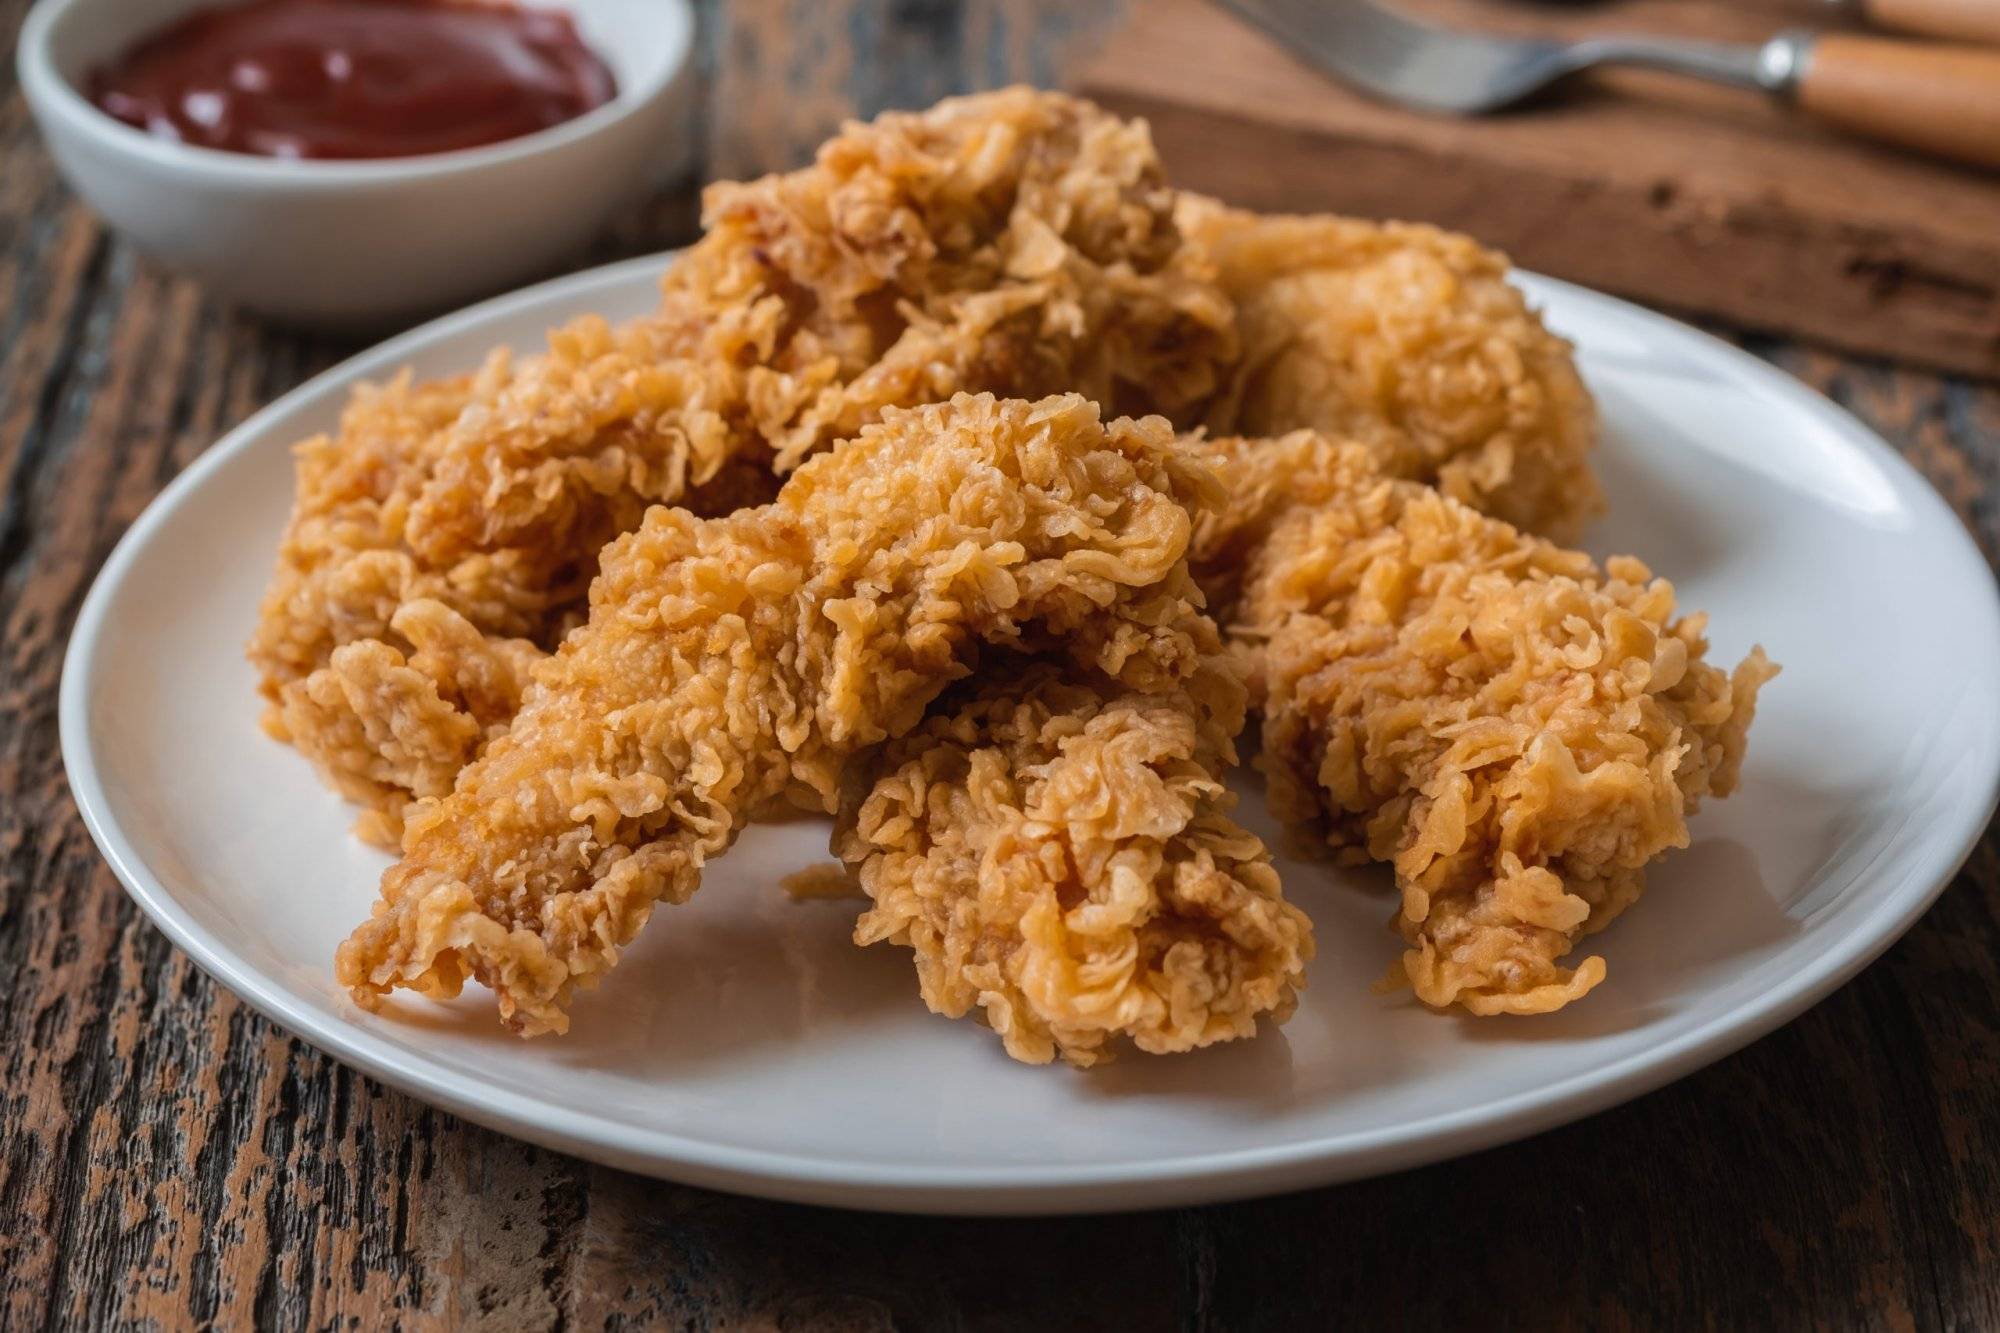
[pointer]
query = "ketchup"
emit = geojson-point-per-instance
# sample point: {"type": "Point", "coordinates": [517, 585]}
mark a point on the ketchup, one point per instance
{"type": "Point", "coordinates": [355, 78]}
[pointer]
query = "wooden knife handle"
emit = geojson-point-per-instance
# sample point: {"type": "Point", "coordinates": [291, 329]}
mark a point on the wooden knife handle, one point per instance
{"type": "Point", "coordinates": [1930, 97]}
{"type": "Point", "coordinates": [1959, 20]}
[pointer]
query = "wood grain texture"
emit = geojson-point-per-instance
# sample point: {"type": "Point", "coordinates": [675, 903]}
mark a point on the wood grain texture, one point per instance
{"type": "Point", "coordinates": [169, 1160]}
{"type": "Point", "coordinates": [1712, 200]}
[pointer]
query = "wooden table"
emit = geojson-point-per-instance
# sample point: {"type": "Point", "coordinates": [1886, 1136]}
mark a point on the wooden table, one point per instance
{"type": "Point", "coordinates": [168, 1158]}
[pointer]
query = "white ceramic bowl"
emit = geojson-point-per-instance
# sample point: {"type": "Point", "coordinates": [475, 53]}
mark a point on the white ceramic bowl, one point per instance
{"type": "Point", "coordinates": [357, 244]}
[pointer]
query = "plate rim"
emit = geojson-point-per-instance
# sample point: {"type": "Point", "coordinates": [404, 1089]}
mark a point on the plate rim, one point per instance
{"type": "Point", "coordinates": [1000, 1190]}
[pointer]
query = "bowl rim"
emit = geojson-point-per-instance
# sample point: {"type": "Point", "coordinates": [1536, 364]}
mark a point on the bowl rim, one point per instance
{"type": "Point", "coordinates": [49, 93]}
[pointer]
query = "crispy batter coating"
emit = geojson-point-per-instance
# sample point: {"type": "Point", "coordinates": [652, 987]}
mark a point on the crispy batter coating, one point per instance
{"type": "Point", "coordinates": [1057, 851]}
{"type": "Point", "coordinates": [382, 726]}
{"type": "Point", "coordinates": [332, 645]}
{"type": "Point", "coordinates": [727, 660]}
{"type": "Point", "coordinates": [1267, 481]}
{"type": "Point", "coordinates": [1513, 729]}
{"type": "Point", "coordinates": [343, 569]}
{"type": "Point", "coordinates": [1019, 242]}
{"type": "Point", "coordinates": [1411, 341]}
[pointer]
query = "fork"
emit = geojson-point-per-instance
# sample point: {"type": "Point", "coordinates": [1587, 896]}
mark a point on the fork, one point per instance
{"type": "Point", "coordinates": [1932, 97]}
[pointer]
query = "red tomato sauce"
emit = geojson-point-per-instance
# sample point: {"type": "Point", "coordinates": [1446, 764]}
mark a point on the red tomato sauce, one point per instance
{"type": "Point", "coordinates": [347, 79]}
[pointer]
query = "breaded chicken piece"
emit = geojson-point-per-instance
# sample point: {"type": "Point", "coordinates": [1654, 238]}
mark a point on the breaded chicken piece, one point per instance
{"type": "Point", "coordinates": [1516, 731]}
{"type": "Point", "coordinates": [1411, 341]}
{"type": "Point", "coordinates": [332, 647]}
{"type": "Point", "coordinates": [728, 660]}
{"type": "Point", "coordinates": [1056, 850]}
{"type": "Point", "coordinates": [1268, 480]}
{"type": "Point", "coordinates": [408, 723]}
{"type": "Point", "coordinates": [1018, 242]}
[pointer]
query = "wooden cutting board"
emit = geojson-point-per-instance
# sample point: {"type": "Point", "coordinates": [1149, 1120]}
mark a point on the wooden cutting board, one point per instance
{"type": "Point", "coordinates": [1704, 200]}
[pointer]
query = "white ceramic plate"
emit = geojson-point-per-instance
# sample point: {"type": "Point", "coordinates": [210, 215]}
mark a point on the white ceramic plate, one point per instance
{"type": "Point", "coordinates": [745, 1044]}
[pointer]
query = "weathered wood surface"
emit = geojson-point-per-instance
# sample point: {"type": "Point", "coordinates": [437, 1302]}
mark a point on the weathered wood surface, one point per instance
{"type": "Point", "coordinates": [168, 1159]}
{"type": "Point", "coordinates": [1711, 200]}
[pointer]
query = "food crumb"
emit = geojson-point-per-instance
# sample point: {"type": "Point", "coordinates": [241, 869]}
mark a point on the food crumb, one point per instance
{"type": "Point", "coordinates": [827, 880]}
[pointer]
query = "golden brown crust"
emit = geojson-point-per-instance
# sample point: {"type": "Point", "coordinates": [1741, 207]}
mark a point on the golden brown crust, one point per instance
{"type": "Point", "coordinates": [1515, 730]}
{"type": "Point", "coordinates": [1018, 242]}
{"type": "Point", "coordinates": [727, 660]}
{"type": "Point", "coordinates": [382, 726]}
{"type": "Point", "coordinates": [1057, 852]}
{"type": "Point", "coordinates": [1411, 341]}
{"type": "Point", "coordinates": [1267, 481]}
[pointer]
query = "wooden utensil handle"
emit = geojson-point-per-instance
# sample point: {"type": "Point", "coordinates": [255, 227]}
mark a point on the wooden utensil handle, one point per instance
{"type": "Point", "coordinates": [1934, 98]}
{"type": "Point", "coordinates": [1960, 20]}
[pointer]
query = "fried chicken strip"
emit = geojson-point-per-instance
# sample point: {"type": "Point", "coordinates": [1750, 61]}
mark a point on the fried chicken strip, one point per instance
{"type": "Point", "coordinates": [1411, 341]}
{"type": "Point", "coordinates": [1515, 730]}
{"type": "Point", "coordinates": [729, 659]}
{"type": "Point", "coordinates": [1018, 242]}
{"type": "Point", "coordinates": [1057, 851]}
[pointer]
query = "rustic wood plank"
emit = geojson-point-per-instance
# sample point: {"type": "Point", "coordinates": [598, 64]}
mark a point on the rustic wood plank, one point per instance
{"type": "Point", "coordinates": [169, 1159]}
{"type": "Point", "coordinates": [1716, 201]}
{"type": "Point", "coordinates": [781, 84]}
{"type": "Point", "coordinates": [913, 52]}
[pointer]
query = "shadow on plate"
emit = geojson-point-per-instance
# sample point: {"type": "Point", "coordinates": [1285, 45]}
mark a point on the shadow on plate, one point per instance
{"type": "Point", "coordinates": [1703, 908]}
{"type": "Point", "coordinates": [711, 982]}
{"type": "Point", "coordinates": [722, 979]}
